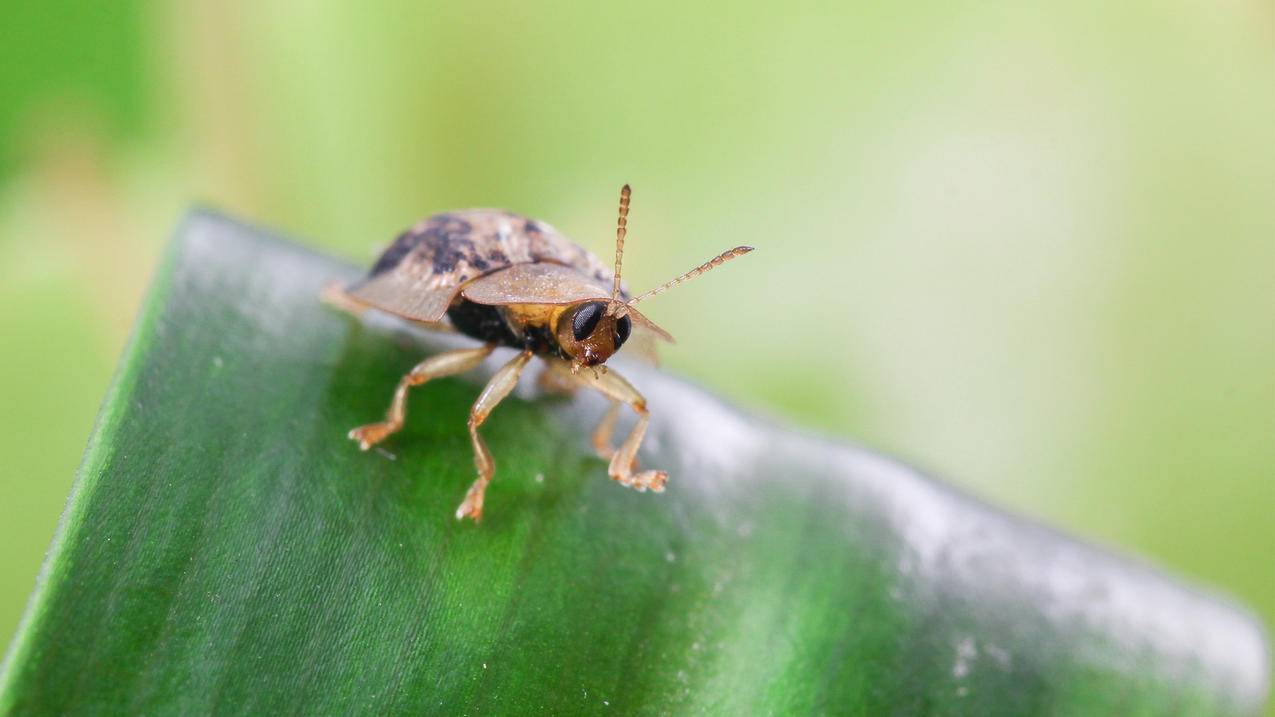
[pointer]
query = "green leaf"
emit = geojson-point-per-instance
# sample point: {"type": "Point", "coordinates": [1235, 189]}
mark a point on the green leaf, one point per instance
{"type": "Point", "coordinates": [227, 550]}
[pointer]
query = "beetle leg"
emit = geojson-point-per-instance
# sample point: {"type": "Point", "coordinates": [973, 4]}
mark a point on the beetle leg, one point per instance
{"type": "Point", "coordinates": [557, 376]}
{"type": "Point", "coordinates": [624, 460]}
{"type": "Point", "coordinates": [444, 364]}
{"type": "Point", "coordinates": [551, 381]}
{"type": "Point", "coordinates": [493, 393]}
{"type": "Point", "coordinates": [602, 434]}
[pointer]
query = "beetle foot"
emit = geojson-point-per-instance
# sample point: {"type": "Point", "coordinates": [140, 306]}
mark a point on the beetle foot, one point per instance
{"type": "Point", "coordinates": [371, 434]}
{"type": "Point", "coordinates": [472, 506]}
{"type": "Point", "coordinates": [653, 481]}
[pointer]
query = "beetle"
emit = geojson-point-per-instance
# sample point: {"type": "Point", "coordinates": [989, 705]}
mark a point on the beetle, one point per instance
{"type": "Point", "coordinates": [508, 280]}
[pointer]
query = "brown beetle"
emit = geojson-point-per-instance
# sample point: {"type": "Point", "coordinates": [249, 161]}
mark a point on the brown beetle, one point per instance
{"type": "Point", "coordinates": [507, 280]}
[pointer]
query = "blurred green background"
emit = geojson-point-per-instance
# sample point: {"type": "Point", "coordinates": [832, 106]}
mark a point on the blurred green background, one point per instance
{"type": "Point", "coordinates": [1030, 247]}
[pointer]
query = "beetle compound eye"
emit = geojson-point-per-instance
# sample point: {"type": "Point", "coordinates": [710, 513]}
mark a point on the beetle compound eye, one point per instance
{"type": "Point", "coordinates": [622, 329]}
{"type": "Point", "coordinates": [586, 320]}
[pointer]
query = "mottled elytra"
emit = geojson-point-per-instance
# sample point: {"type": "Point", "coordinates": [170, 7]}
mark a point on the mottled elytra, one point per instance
{"type": "Point", "coordinates": [507, 280]}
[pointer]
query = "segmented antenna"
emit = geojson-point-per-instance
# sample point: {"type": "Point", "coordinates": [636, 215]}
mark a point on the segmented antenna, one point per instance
{"type": "Point", "coordinates": [715, 261]}
{"type": "Point", "coordinates": [621, 229]}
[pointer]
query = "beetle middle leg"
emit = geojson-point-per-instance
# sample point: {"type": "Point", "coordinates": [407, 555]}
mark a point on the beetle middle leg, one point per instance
{"type": "Point", "coordinates": [444, 364]}
{"type": "Point", "coordinates": [500, 385]}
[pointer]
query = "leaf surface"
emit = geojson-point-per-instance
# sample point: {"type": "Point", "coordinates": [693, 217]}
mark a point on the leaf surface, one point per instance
{"type": "Point", "coordinates": [227, 550]}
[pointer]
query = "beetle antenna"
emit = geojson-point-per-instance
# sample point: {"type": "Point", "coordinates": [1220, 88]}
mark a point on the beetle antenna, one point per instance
{"type": "Point", "coordinates": [715, 261]}
{"type": "Point", "coordinates": [621, 229]}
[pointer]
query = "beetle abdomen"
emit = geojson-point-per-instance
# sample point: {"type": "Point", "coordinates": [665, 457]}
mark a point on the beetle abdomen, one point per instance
{"type": "Point", "coordinates": [442, 245]}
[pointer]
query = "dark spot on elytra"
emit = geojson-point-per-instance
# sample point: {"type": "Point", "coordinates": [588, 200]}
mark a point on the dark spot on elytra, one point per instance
{"type": "Point", "coordinates": [393, 256]}
{"type": "Point", "coordinates": [533, 227]}
{"type": "Point", "coordinates": [447, 243]}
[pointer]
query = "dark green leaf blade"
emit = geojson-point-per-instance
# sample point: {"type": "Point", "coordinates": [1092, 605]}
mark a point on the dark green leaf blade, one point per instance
{"type": "Point", "coordinates": [227, 550]}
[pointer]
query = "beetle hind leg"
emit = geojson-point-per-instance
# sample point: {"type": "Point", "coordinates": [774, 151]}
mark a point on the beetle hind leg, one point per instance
{"type": "Point", "coordinates": [501, 383]}
{"type": "Point", "coordinates": [444, 364]}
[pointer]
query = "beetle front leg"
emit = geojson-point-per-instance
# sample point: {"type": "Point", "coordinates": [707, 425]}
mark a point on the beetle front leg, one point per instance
{"type": "Point", "coordinates": [552, 381]}
{"type": "Point", "coordinates": [624, 459]}
{"type": "Point", "coordinates": [602, 434]}
{"type": "Point", "coordinates": [500, 385]}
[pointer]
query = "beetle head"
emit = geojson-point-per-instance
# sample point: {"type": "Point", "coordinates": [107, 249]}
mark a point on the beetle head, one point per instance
{"type": "Point", "coordinates": [589, 334]}
{"type": "Point", "coordinates": [590, 331]}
